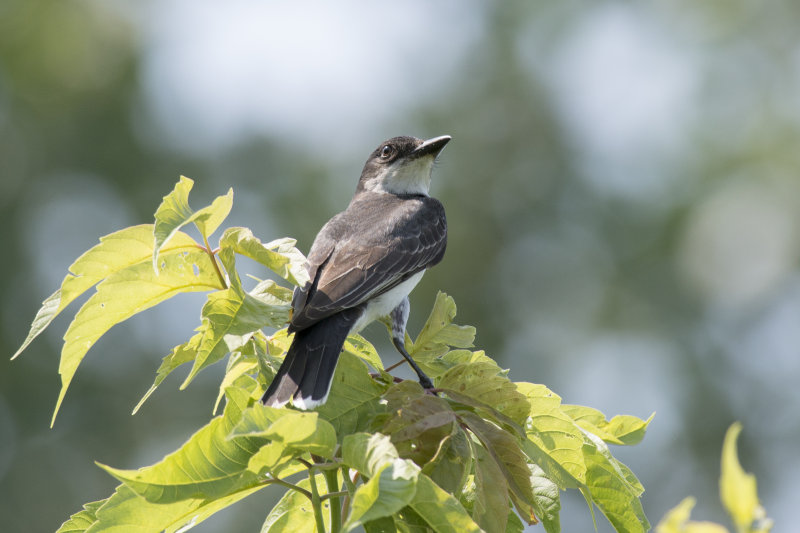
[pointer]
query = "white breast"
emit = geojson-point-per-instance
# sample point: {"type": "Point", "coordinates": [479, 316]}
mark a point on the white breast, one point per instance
{"type": "Point", "coordinates": [382, 305]}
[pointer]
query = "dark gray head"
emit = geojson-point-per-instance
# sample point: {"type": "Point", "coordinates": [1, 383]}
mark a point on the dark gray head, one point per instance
{"type": "Point", "coordinates": [401, 165]}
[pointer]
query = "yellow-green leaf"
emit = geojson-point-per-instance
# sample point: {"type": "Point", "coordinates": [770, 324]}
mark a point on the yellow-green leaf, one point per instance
{"type": "Point", "coordinates": [622, 429]}
{"type": "Point", "coordinates": [439, 333]}
{"type": "Point", "coordinates": [116, 251]}
{"type": "Point", "coordinates": [125, 293]}
{"type": "Point", "coordinates": [209, 465]}
{"type": "Point", "coordinates": [181, 354]}
{"type": "Point", "coordinates": [555, 442]}
{"type": "Point", "coordinates": [442, 512]}
{"type": "Point", "coordinates": [389, 490]}
{"type": "Point", "coordinates": [737, 488]}
{"type": "Point", "coordinates": [279, 255]}
{"type": "Point", "coordinates": [677, 521]}
{"type": "Point", "coordinates": [174, 213]}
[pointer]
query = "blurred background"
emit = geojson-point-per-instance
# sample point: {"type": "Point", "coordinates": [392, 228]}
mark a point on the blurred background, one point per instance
{"type": "Point", "coordinates": [622, 189]}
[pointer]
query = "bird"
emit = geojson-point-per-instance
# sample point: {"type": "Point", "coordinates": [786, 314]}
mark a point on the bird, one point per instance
{"type": "Point", "coordinates": [362, 265]}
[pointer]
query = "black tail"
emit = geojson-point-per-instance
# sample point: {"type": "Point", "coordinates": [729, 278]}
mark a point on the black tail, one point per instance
{"type": "Point", "coordinates": [306, 374]}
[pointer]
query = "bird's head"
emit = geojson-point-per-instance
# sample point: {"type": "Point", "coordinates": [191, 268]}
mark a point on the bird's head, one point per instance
{"type": "Point", "coordinates": [401, 165]}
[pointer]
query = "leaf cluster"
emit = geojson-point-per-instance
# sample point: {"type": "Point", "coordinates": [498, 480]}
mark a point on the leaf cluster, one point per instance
{"type": "Point", "coordinates": [738, 494]}
{"type": "Point", "coordinates": [483, 453]}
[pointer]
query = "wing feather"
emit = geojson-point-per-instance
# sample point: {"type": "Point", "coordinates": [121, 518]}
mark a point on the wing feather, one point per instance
{"type": "Point", "coordinates": [362, 253]}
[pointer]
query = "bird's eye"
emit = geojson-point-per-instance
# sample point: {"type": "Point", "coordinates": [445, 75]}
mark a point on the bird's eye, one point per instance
{"type": "Point", "coordinates": [387, 151]}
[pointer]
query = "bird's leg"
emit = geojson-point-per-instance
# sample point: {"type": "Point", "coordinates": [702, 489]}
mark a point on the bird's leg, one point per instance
{"type": "Point", "coordinates": [424, 380]}
{"type": "Point", "coordinates": [396, 322]}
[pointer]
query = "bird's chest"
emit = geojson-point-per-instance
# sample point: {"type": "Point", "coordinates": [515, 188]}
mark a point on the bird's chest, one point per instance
{"type": "Point", "coordinates": [382, 305]}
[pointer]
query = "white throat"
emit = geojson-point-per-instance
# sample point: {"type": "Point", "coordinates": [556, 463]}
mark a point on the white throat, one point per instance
{"type": "Point", "coordinates": [404, 177]}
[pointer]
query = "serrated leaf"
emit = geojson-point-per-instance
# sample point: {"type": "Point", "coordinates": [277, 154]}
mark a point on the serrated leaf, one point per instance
{"type": "Point", "coordinates": [490, 508]}
{"type": "Point", "coordinates": [546, 499]}
{"type": "Point", "coordinates": [441, 511]}
{"type": "Point", "coordinates": [281, 256]}
{"type": "Point", "coordinates": [229, 317]}
{"type": "Point", "coordinates": [353, 401]}
{"type": "Point", "coordinates": [82, 520]}
{"type": "Point", "coordinates": [622, 429]}
{"type": "Point", "coordinates": [439, 333]}
{"type": "Point", "coordinates": [116, 251]}
{"type": "Point", "coordinates": [125, 293]}
{"type": "Point", "coordinates": [174, 213]}
{"type": "Point", "coordinates": [294, 513]}
{"type": "Point", "coordinates": [554, 441]}
{"type": "Point", "coordinates": [610, 488]}
{"type": "Point", "coordinates": [386, 493]}
{"type": "Point", "coordinates": [737, 488]}
{"type": "Point", "coordinates": [207, 466]}
{"type": "Point", "coordinates": [484, 382]}
{"type": "Point", "coordinates": [181, 354]}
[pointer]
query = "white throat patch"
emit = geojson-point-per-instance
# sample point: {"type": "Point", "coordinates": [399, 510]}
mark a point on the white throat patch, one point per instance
{"type": "Point", "coordinates": [404, 177]}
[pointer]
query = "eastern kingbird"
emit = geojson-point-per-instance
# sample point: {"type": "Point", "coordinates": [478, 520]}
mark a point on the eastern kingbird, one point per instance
{"type": "Point", "coordinates": [362, 265]}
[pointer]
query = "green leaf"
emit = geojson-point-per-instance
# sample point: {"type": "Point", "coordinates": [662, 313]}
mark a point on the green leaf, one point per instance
{"type": "Point", "coordinates": [115, 252]}
{"type": "Point", "coordinates": [125, 293]}
{"type": "Point", "coordinates": [361, 347]}
{"type": "Point", "coordinates": [622, 429]}
{"type": "Point", "coordinates": [484, 382]}
{"type": "Point", "coordinates": [127, 511]}
{"type": "Point", "coordinates": [490, 508]}
{"type": "Point", "coordinates": [417, 424]}
{"type": "Point", "coordinates": [442, 512]}
{"type": "Point", "coordinates": [506, 452]}
{"type": "Point", "coordinates": [612, 489]}
{"type": "Point", "coordinates": [546, 499]}
{"type": "Point", "coordinates": [439, 332]}
{"type": "Point", "coordinates": [737, 488]}
{"type": "Point", "coordinates": [231, 315]}
{"type": "Point", "coordinates": [554, 441]}
{"type": "Point", "coordinates": [391, 488]}
{"type": "Point", "coordinates": [291, 433]}
{"type": "Point", "coordinates": [451, 465]}
{"type": "Point", "coordinates": [279, 255]}
{"type": "Point", "coordinates": [174, 213]}
{"type": "Point", "coordinates": [82, 520]}
{"type": "Point", "coordinates": [368, 453]}
{"type": "Point", "coordinates": [207, 466]}
{"type": "Point", "coordinates": [677, 521]}
{"type": "Point", "coordinates": [353, 402]}
{"type": "Point", "coordinates": [181, 354]}
{"type": "Point", "coordinates": [294, 513]}
{"type": "Point", "coordinates": [238, 365]}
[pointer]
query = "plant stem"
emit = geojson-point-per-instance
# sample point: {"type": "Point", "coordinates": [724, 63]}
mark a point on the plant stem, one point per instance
{"type": "Point", "coordinates": [288, 485]}
{"type": "Point", "coordinates": [316, 502]}
{"type": "Point", "coordinates": [212, 255]}
{"type": "Point", "coordinates": [332, 480]}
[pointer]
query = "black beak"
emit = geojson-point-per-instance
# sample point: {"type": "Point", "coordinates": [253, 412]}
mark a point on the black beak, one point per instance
{"type": "Point", "coordinates": [431, 147]}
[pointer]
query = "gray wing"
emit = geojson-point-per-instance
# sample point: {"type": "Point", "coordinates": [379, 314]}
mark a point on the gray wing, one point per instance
{"type": "Point", "coordinates": [350, 266]}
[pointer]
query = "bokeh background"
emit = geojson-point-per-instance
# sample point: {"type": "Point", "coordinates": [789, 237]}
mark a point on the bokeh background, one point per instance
{"type": "Point", "coordinates": [622, 187]}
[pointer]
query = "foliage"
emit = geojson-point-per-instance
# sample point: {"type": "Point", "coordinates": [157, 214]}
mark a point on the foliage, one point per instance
{"type": "Point", "coordinates": [738, 494]}
{"type": "Point", "coordinates": [482, 454]}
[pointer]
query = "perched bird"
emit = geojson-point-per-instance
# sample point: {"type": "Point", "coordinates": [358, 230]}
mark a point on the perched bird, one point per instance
{"type": "Point", "coordinates": [362, 265]}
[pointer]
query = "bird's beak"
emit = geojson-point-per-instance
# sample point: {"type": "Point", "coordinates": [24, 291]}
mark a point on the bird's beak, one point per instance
{"type": "Point", "coordinates": [431, 146]}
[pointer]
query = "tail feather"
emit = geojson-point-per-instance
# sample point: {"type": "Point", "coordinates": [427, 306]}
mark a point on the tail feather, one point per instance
{"type": "Point", "coordinates": [306, 374]}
